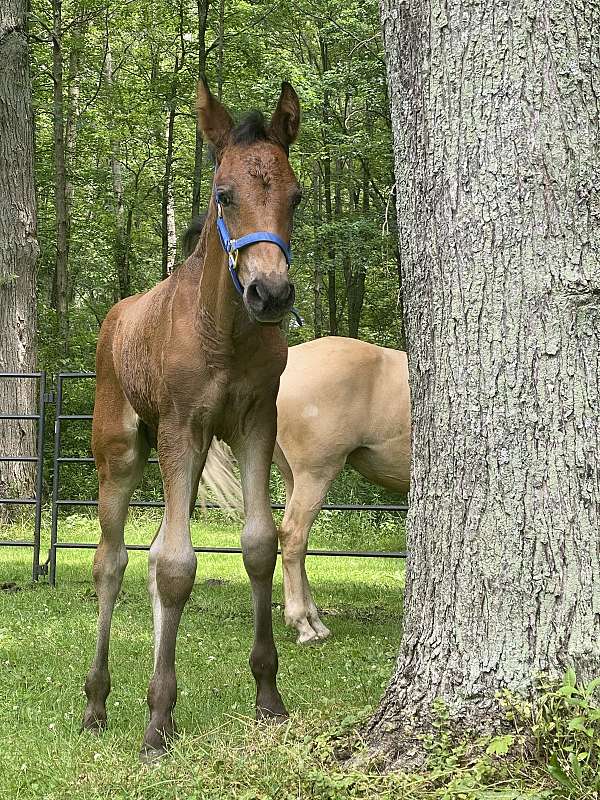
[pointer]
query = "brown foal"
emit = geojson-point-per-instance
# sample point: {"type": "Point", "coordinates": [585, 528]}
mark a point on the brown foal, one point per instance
{"type": "Point", "coordinates": [189, 359]}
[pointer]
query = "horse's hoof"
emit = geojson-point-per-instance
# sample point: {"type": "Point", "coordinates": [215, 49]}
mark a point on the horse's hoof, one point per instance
{"type": "Point", "coordinates": [320, 629]}
{"type": "Point", "coordinates": [152, 755]}
{"type": "Point", "coordinates": [269, 717]}
{"type": "Point", "coordinates": [311, 636]}
{"type": "Point", "coordinates": [93, 724]}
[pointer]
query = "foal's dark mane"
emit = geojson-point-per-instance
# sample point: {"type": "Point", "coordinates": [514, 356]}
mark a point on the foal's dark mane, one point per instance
{"type": "Point", "coordinates": [190, 238]}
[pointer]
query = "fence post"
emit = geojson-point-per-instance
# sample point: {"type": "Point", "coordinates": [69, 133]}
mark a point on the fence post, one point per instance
{"type": "Point", "coordinates": [38, 459]}
{"type": "Point", "coordinates": [55, 481]}
{"type": "Point", "coordinates": [38, 569]}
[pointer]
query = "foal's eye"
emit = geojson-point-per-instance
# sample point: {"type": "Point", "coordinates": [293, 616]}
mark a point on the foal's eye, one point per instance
{"type": "Point", "coordinates": [224, 198]}
{"type": "Point", "coordinates": [296, 200]}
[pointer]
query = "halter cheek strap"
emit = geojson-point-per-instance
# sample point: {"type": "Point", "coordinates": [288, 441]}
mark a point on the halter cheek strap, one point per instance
{"type": "Point", "coordinates": [233, 246]}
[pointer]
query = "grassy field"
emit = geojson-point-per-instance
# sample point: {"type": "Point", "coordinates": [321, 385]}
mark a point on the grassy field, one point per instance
{"type": "Point", "coordinates": [46, 643]}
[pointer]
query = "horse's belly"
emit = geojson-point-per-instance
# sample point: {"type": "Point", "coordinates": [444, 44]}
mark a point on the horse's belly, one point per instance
{"type": "Point", "coordinates": [387, 464]}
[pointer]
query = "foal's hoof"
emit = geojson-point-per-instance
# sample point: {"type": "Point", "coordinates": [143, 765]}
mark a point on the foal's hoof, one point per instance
{"type": "Point", "coordinates": [152, 755]}
{"type": "Point", "coordinates": [273, 716]}
{"type": "Point", "coordinates": [94, 724]}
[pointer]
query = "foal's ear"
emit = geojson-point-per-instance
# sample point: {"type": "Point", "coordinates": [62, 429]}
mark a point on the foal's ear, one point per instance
{"type": "Point", "coordinates": [214, 120]}
{"type": "Point", "coordinates": [286, 119]}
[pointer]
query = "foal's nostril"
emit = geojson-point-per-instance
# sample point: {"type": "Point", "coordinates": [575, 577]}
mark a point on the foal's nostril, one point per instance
{"type": "Point", "coordinates": [266, 298]}
{"type": "Point", "coordinates": [257, 294]}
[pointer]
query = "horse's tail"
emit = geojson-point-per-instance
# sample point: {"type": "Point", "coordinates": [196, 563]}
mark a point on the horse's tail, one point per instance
{"type": "Point", "coordinates": [220, 478]}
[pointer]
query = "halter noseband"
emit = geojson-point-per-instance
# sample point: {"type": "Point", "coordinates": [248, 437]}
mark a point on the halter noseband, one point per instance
{"type": "Point", "coordinates": [233, 246]}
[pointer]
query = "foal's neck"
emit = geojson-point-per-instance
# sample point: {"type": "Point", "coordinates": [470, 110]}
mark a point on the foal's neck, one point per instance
{"type": "Point", "coordinates": [220, 312]}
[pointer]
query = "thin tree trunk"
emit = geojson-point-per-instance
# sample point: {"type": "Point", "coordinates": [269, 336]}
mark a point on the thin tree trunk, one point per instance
{"type": "Point", "coordinates": [60, 293]}
{"type": "Point", "coordinates": [220, 49]}
{"type": "Point", "coordinates": [318, 255]}
{"type": "Point", "coordinates": [358, 272]}
{"type": "Point", "coordinates": [169, 236]}
{"type": "Point", "coordinates": [203, 6]}
{"type": "Point", "coordinates": [331, 276]}
{"type": "Point", "coordinates": [18, 250]}
{"type": "Point", "coordinates": [121, 240]}
{"type": "Point", "coordinates": [71, 131]}
{"type": "Point", "coordinates": [497, 143]}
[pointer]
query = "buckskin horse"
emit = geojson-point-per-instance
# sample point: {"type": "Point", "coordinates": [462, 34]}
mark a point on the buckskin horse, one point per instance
{"type": "Point", "coordinates": [340, 401]}
{"type": "Point", "coordinates": [199, 355]}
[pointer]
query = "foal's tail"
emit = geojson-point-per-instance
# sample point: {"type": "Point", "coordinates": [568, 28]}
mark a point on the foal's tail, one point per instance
{"type": "Point", "coordinates": [220, 478]}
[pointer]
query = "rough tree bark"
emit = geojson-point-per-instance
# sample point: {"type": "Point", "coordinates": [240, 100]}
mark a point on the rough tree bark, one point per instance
{"type": "Point", "coordinates": [18, 247]}
{"type": "Point", "coordinates": [497, 137]}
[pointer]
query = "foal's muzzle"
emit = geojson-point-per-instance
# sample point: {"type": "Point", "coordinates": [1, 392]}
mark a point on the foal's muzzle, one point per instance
{"type": "Point", "coordinates": [269, 301]}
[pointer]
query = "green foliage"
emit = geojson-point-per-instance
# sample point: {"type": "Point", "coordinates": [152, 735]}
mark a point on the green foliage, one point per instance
{"type": "Point", "coordinates": [332, 53]}
{"type": "Point", "coordinates": [562, 724]}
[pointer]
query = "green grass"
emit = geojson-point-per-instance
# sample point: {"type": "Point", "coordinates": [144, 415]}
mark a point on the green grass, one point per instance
{"type": "Point", "coordinates": [46, 643]}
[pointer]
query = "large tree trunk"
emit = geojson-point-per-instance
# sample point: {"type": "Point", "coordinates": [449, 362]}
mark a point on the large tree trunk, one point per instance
{"type": "Point", "coordinates": [18, 248]}
{"type": "Point", "coordinates": [497, 137]}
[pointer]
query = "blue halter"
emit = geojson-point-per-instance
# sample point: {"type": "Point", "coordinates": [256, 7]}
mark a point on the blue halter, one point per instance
{"type": "Point", "coordinates": [233, 246]}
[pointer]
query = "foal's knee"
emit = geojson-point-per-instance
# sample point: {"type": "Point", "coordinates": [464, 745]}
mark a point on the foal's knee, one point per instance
{"type": "Point", "coordinates": [259, 547]}
{"type": "Point", "coordinates": [109, 565]}
{"type": "Point", "coordinates": [263, 661]}
{"type": "Point", "coordinates": [175, 575]}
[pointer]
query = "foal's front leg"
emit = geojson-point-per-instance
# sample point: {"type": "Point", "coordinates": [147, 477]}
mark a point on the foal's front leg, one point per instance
{"type": "Point", "coordinates": [174, 570]}
{"type": "Point", "coordinates": [259, 547]}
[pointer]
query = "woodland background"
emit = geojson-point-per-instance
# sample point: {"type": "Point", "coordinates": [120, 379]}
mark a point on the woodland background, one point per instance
{"type": "Point", "coordinates": [121, 168]}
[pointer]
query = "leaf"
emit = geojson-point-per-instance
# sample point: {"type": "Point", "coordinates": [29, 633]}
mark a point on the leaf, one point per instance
{"type": "Point", "coordinates": [576, 766]}
{"type": "Point", "coordinates": [500, 745]}
{"type": "Point", "coordinates": [590, 688]}
{"type": "Point", "coordinates": [570, 678]}
{"type": "Point", "coordinates": [559, 775]}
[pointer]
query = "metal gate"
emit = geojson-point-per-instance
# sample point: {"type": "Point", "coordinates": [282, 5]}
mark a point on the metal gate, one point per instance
{"type": "Point", "coordinates": [38, 459]}
{"type": "Point", "coordinates": [62, 417]}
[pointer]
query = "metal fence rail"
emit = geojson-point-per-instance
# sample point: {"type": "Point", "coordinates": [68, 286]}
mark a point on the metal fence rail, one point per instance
{"type": "Point", "coordinates": [57, 502]}
{"type": "Point", "coordinates": [37, 459]}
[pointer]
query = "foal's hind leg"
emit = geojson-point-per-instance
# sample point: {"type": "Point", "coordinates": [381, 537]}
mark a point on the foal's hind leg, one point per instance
{"type": "Point", "coordinates": [121, 452]}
